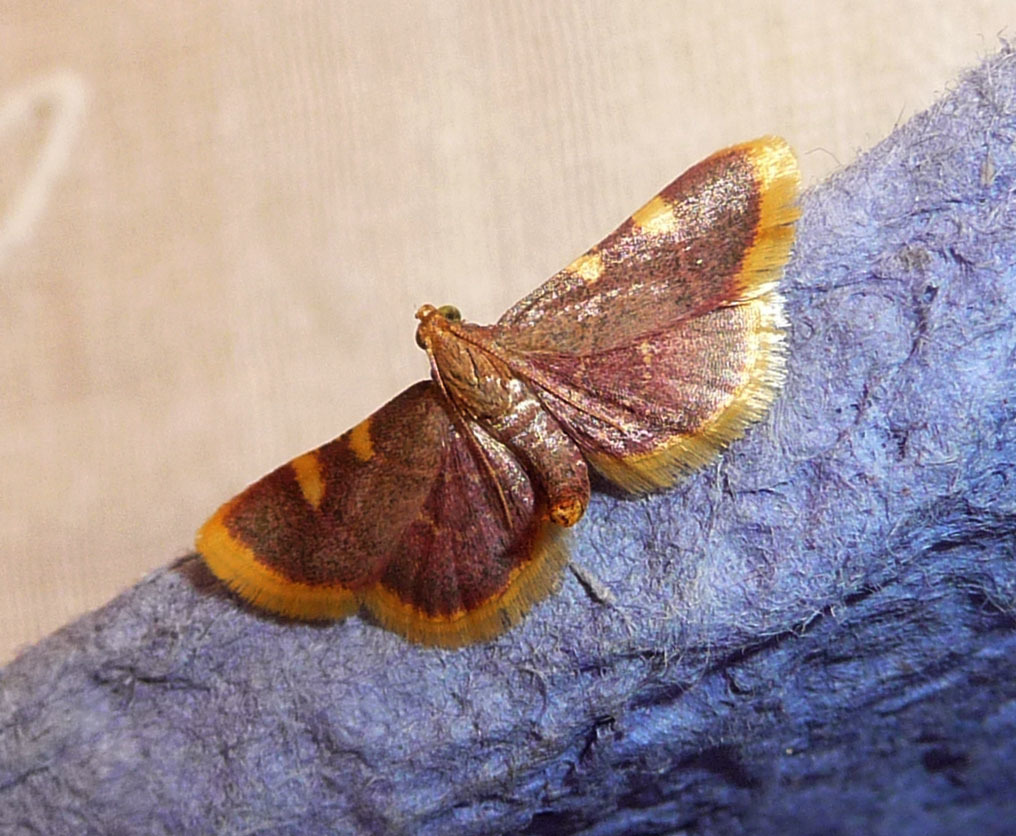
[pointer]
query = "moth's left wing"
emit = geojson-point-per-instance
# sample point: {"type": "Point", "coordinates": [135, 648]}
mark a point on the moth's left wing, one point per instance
{"type": "Point", "coordinates": [308, 538]}
{"type": "Point", "coordinates": [428, 522]}
{"type": "Point", "coordinates": [472, 564]}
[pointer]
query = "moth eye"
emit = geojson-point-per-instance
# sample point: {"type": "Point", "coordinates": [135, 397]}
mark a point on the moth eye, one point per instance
{"type": "Point", "coordinates": [450, 312]}
{"type": "Point", "coordinates": [419, 340]}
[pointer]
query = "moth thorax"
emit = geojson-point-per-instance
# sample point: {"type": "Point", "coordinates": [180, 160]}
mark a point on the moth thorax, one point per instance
{"type": "Point", "coordinates": [473, 380]}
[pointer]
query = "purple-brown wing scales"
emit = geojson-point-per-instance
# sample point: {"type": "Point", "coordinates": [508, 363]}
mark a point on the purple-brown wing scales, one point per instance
{"type": "Point", "coordinates": [399, 515]}
{"type": "Point", "coordinates": [460, 573]}
{"type": "Point", "coordinates": [661, 344]}
{"type": "Point", "coordinates": [719, 234]}
{"type": "Point", "coordinates": [644, 414]}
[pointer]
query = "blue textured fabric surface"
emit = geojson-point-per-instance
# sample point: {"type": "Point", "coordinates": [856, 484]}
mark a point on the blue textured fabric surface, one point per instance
{"type": "Point", "coordinates": [816, 635]}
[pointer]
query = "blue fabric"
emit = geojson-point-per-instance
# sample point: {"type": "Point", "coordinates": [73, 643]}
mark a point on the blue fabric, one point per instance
{"type": "Point", "coordinates": [815, 635]}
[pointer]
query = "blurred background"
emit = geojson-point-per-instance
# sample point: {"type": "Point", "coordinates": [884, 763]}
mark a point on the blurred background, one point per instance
{"type": "Point", "coordinates": [217, 219]}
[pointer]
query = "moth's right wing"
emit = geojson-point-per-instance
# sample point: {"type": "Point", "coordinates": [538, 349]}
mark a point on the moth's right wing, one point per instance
{"type": "Point", "coordinates": [663, 342]}
{"type": "Point", "coordinates": [718, 235]}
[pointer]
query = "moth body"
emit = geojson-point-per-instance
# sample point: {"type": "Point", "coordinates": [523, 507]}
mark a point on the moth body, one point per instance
{"type": "Point", "coordinates": [442, 513]}
{"type": "Point", "coordinates": [467, 365]}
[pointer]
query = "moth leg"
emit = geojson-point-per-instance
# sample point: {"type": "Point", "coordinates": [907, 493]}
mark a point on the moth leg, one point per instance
{"type": "Point", "coordinates": [546, 452]}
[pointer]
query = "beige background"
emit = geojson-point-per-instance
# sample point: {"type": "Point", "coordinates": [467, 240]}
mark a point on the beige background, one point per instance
{"type": "Point", "coordinates": [217, 219]}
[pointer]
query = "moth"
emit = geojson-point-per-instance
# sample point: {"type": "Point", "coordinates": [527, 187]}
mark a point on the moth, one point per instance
{"type": "Point", "coordinates": [443, 513]}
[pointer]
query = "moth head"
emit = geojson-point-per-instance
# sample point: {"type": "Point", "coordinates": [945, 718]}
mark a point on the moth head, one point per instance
{"type": "Point", "coordinates": [434, 319]}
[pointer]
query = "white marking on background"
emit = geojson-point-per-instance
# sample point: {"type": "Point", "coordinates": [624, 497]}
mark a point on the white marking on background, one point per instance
{"type": "Point", "coordinates": [65, 95]}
